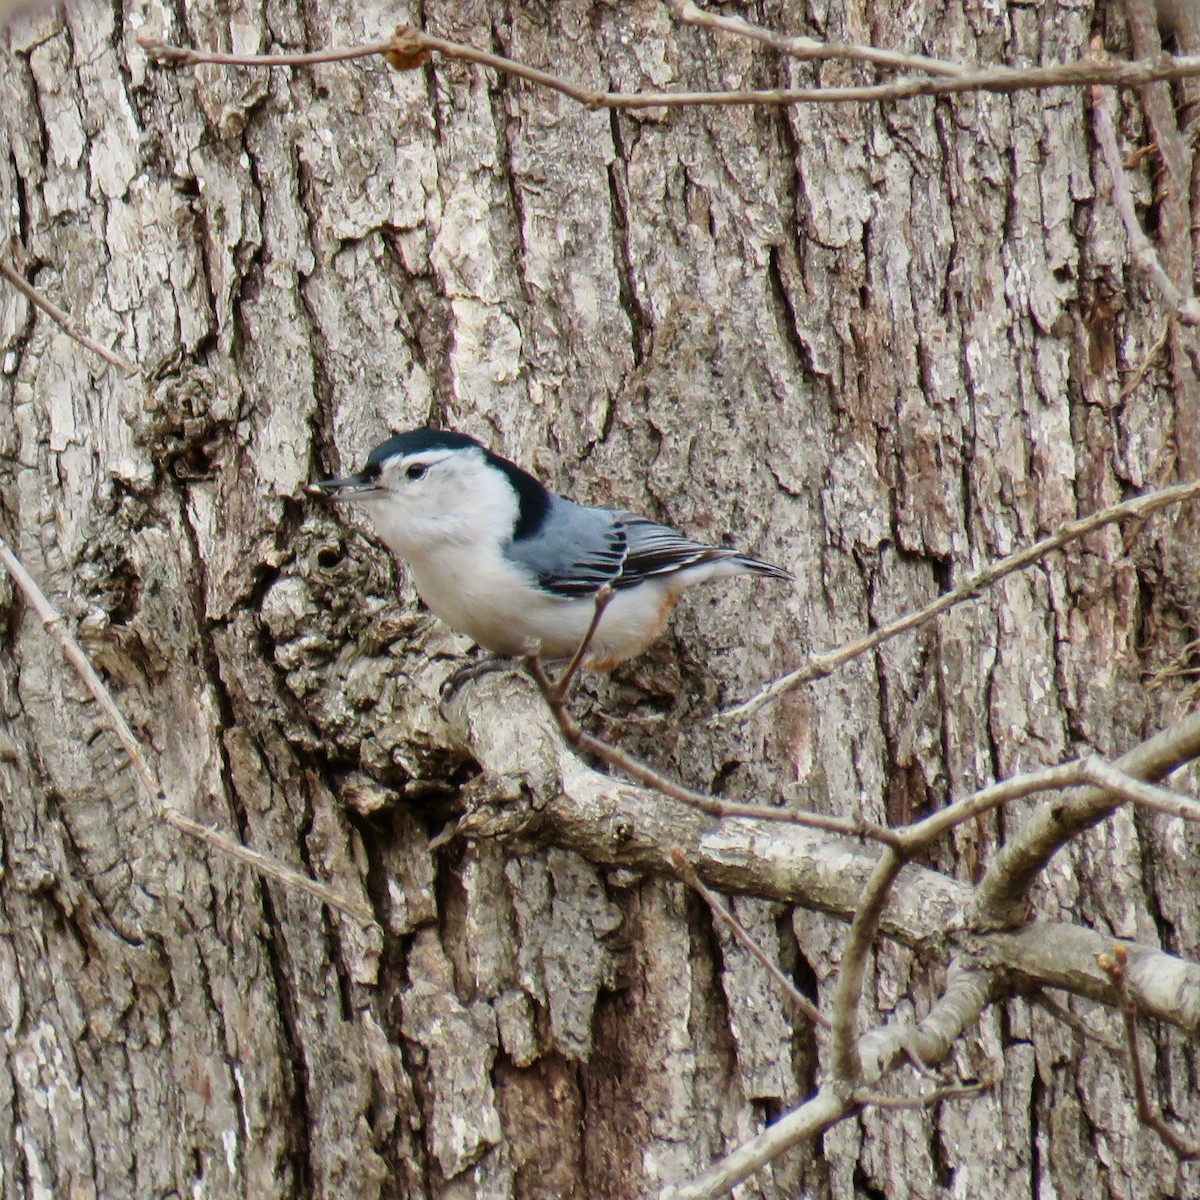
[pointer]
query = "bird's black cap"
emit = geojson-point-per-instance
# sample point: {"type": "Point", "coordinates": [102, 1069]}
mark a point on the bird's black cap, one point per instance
{"type": "Point", "coordinates": [532, 498]}
{"type": "Point", "coordinates": [419, 440]}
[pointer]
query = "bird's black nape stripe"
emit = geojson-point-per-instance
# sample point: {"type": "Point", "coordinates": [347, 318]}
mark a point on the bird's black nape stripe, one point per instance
{"type": "Point", "coordinates": [533, 501]}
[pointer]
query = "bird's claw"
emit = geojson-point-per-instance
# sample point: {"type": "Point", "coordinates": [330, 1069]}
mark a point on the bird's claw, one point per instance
{"type": "Point", "coordinates": [454, 682]}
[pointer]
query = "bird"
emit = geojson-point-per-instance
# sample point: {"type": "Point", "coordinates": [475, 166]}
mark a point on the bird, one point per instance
{"type": "Point", "coordinates": [501, 558]}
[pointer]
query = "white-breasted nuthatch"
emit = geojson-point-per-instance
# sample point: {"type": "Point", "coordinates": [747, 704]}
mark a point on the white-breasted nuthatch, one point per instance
{"type": "Point", "coordinates": [504, 560]}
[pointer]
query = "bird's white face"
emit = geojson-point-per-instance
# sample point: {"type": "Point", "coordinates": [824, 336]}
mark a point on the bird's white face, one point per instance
{"type": "Point", "coordinates": [432, 498]}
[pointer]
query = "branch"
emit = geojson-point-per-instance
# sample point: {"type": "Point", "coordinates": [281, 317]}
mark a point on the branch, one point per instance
{"type": "Point", "coordinates": [1051, 1006]}
{"type": "Point", "coordinates": [1149, 1113]}
{"type": "Point", "coordinates": [1148, 795]}
{"type": "Point", "coordinates": [809, 49]}
{"type": "Point", "coordinates": [799, 1000]}
{"type": "Point", "coordinates": [847, 1068]}
{"type": "Point", "coordinates": [1000, 899]}
{"type": "Point", "coordinates": [621, 760]}
{"type": "Point", "coordinates": [966, 995]}
{"type": "Point", "coordinates": [1145, 258]}
{"type": "Point", "coordinates": [1131, 384]}
{"type": "Point", "coordinates": [954, 1091]}
{"type": "Point", "coordinates": [168, 55]}
{"type": "Point", "coordinates": [921, 833]}
{"type": "Point", "coordinates": [262, 863]}
{"type": "Point", "coordinates": [814, 1116]}
{"type": "Point", "coordinates": [614, 823]}
{"type": "Point", "coordinates": [601, 601]}
{"type": "Point", "coordinates": [914, 838]}
{"type": "Point", "coordinates": [826, 664]}
{"type": "Point", "coordinates": [1056, 954]}
{"type": "Point", "coordinates": [409, 45]}
{"type": "Point", "coordinates": [64, 322]}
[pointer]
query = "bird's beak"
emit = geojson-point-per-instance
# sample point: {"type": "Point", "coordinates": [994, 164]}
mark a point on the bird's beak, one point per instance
{"type": "Point", "coordinates": [353, 487]}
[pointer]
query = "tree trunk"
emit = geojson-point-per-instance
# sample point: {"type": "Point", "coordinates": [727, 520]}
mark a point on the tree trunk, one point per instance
{"type": "Point", "coordinates": [881, 345]}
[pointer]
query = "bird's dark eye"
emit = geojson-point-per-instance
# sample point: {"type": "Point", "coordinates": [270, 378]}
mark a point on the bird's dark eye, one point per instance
{"type": "Point", "coordinates": [416, 471]}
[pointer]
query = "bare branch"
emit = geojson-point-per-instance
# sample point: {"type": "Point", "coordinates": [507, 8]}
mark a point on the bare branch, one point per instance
{"type": "Point", "coordinates": [262, 863]}
{"type": "Point", "coordinates": [1145, 258]}
{"type": "Point", "coordinates": [810, 49]}
{"type": "Point", "coordinates": [405, 50]}
{"type": "Point", "coordinates": [826, 664]}
{"type": "Point", "coordinates": [1144, 366]}
{"type": "Point", "coordinates": [1059, 955]}
{"type": "Point", "coordinates": [1113, 965]}
{"type": "Point", "coordinates": [603, 597]}
{"type": "Point", "coordinates": [64, 322]}
{"type": "Point", "coordinates": [1060, 1013]}
{"type": "Point", "coordinates": [847, 1068]}
{"type": "Point", "coordinates": [951, 1091]}
{"type": "Point", "coordinates": [584, 742]}
{"type": "Point", "coordinates": [1158, 799]}
{"type": "Point", "coordinates": [814, 1116]}
{"type": "Point", "coordinates": [166, 54]}
{"type": "Point", "coordinates": [1000, 898]}
{"type": "Point", "coordinates": [799, 1000]}
{"type": "Point", "coordinates": [615, 823]}
{"type": "Point", "coordinates": [922, 833]}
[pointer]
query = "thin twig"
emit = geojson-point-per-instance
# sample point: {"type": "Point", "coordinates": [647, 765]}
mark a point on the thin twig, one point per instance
{"type": "Point", "coordinates": [620, 760]}
{"type": "Point", "coordinates": [601, 601]}
{"type": "Point", "coordinates": [1145, 257]}
{"type": "Point", "coordinates": [988, 79]}
{"type": "Point", "coordinates": [554, 693]}
{"type": "Point", "coordinates": [951, 1091]}
{"type": "Point", "coordinates": [860, 938]}
{"type": "Point", "coordinates": [63, 320]}
{"type": "Point", "coordinates": [810, 49]}
{"type": "Point", "coordinates": [1072, 1021]}
{"type": "Point", "coordinates": [1113, 965]}
{"type": "Point", "coordinates": [183, 56]}
{"type": "Point", "coordinates": [825, 664]}
{"type": "Point", "coordinates": [262, 863]}
{"type": "Point", "coordinates": [1136, 378]}
{"type": "Point", "coordinates": [408, 44]}
{"type": "Point", "coordinates": [793, 993]}
{"type": "Point", "coordinates": [1148, 795]}
{"type": "Point", "coordinates": [921, 833]}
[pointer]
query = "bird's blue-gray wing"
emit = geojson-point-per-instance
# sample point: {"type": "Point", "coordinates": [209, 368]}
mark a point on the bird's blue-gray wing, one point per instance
{"type": "Point", "coordinates": [577, 550]}
{"type": "Point", "coordinates": [658, 550]}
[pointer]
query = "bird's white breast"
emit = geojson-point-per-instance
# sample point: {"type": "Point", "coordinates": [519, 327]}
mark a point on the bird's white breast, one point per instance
{"type": "Point", "coordinates": [479, 592]}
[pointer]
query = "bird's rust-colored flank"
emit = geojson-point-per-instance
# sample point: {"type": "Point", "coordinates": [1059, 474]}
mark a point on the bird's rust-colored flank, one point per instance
{"type": "Point", "coordinates": [608, 662]}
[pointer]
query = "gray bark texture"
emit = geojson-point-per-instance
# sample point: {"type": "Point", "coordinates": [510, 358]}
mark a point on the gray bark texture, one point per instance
{"type": "Point", "coordinates": [881, 345]}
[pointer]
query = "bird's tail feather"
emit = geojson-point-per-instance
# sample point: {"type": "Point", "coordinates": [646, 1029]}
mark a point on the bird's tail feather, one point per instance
{"type": "Point", "coordinates": [755, 566]}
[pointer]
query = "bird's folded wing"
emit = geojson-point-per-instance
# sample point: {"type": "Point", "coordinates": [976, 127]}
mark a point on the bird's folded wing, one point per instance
{"type": "Point", "coordinates": [591, 547]}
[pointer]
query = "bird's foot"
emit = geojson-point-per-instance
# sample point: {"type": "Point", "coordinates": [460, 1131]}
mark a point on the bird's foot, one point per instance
{"type": "Point", "coordinates": [454, 682]}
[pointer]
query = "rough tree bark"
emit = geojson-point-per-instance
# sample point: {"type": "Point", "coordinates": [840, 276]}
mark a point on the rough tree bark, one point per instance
{"type": "Point", "coordinates": [879, 344]}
